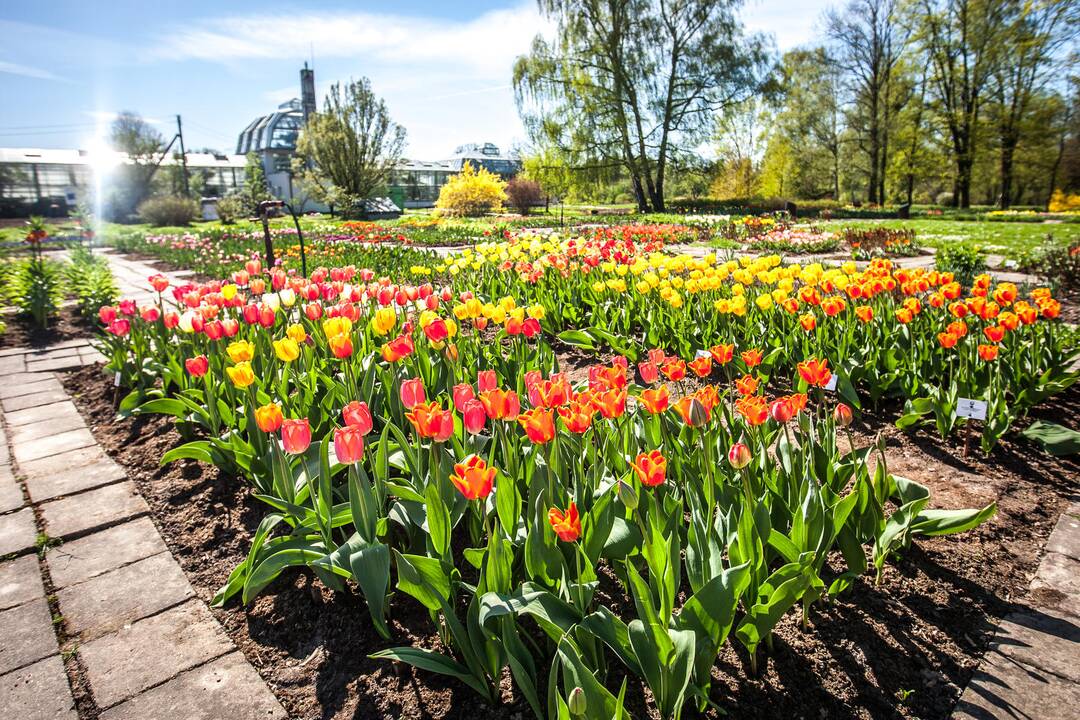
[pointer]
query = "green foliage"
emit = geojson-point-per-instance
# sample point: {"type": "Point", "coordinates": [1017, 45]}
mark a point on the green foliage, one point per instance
{"type": "Point", "coordinates": [255, 188]}
{"type": "Point", "coordinates": [88, 277]}
{"type": "Point", "coordinates": [1058, 265]}
{"type": "Point", "coordinates": [231, 207]}
{"type": "Point", "coordinates": [167, 210]}
{"type": "Point", "coordinates": [963, 260]}
{"type": "Point", "coordinates": [471, 193]}
{"type": "Point", "coordinates": [37, 290]}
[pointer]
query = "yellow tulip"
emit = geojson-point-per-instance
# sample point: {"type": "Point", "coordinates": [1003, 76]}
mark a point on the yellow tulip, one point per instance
{"type": "Point", "coordinates": [240, 351]}
{"type": "Point", "coordinates": [286, 349]}
{"type": "Point", "coordinates": [241, 374]}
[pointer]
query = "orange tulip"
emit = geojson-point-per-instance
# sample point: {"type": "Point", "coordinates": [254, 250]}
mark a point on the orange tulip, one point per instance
{"type": "Point", "coordinates": [295, 435]}
{"type": "Point", "coordinates": [610, 403]}
{"type": "Point", "coordinates": [341, 346]}
{"type": "Point", "coordinates": [864, 313]}
{"type": "Point", "coordinates": [692, 411]}
{"type": "Point", "coordinates": [958, 328]}
{"type": "Point", "coordinates": [567, 525]}
{"type": "Point", "coordinates": [752, 357]}
{"type": "Point", "coordinates": [431, 421]}
{"type": "Point", "coordinates": [808, 322]}
{"type": "Point", "coordinates": [842, 415]}
{"type": "Point", "coordinates": [674, 370]}
{"type": "Point", "coordinates": [473, 478]}
{"type": "Point", "coordinates": [655, 401]}
{"type": "Point", "coordinates": [702, 366]}
{"type": "Point", "coordinates": [539, 425]}
{"type": "Point", "coordinates": [754, 408]}
{"type": "Point", "coordinates": [947, 340]}
{"type": "Point", "coordinates": [501, 404]}
{"type": "Point", "coordinates": [988, 353]}
{"type": "Point", "coordinates": [708, 397]}
{"type": "Point", "coordinates": [994, 333]}
{"type": "Point", "coordinates": [576, 416]}
{"type": "Point", "coordinates": [746, 385]}
{"type": "Point", "coordinates": [651, 468]}
{"type": "Point", "coordinates": [268, 418]}
{"type": "Point", "coordinates": [815, 372]}
{"type": "Point", "coordinates": [722, 353]}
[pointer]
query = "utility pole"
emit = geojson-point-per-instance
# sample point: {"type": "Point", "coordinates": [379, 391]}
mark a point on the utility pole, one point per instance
{"type": "Point", "coordinates": [183, 154]}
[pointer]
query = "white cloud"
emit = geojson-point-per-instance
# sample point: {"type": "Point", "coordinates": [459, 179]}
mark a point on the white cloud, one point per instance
{"type": "Point", "coordinates": [485, 46]}
{"type": "Point", "coordinates": [27, 71]}
{"type": "Point", "coordinates": [791, 23]}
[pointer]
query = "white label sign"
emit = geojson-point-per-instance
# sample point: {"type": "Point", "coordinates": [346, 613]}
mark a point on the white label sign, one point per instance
{"type": "Point", "coordinates": [116, 380]}
{"type": "Point", "coordinates": [831, 385]}
{"type": "Point", "coordinates": [968, 408]}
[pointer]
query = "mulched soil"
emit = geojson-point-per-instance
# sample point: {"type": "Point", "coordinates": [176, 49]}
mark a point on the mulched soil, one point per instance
{"type": "Point", "coordinates": [905, 648]}
{"type": "Point", "coordinates": [21, 333]}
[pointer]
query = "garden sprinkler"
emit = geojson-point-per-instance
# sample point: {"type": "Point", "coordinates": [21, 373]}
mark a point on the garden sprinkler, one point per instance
{"type": "Point", "coordinates": [263, 207]}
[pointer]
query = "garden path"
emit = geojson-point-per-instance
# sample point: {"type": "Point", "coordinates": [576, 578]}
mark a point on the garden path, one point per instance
{"type": "Point", "coordinates": [1032, 668]}
{"type": "Point", "coordinates": [98, 618]}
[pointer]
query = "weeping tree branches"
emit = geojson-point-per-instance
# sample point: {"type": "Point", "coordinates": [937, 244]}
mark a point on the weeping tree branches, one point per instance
{"type": "Point", "coordinates": [635, 82]}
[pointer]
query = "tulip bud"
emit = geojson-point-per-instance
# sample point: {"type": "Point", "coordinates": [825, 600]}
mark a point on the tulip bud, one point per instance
{"type": "Point", "coordinates": [739, 456]}
{"type": "Point", "coordinates": [576, 703]}
{"type": "Point", "coordinates": [627, 495]}
{"type": "Point", "coordinates": [842, 415]}
{"type": "Point", "coordinates": [697, 415]}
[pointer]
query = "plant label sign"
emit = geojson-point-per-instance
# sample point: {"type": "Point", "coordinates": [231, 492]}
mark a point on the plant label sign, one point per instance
{"type": "Point", "coordinates": [973, 409]}
{"type": "Point", "coordinates": [831, 385]}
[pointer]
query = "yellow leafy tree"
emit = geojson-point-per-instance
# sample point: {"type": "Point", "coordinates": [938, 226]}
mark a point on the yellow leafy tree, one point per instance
{"type": "Point", "coordinates": [472, 192]}
{"type": "Point", "coordinates": [1060, 202]}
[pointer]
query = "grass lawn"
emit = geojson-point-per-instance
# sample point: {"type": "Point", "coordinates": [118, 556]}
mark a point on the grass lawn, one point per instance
{"type": "Point", "coordinates": [1011, 239]}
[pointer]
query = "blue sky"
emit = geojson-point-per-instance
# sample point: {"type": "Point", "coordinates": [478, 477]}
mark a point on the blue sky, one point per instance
{"type": "Point", "coordinates": [66, 67]}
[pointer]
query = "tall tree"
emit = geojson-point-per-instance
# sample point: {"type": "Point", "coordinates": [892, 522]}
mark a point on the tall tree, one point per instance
{"type": "Point", "coordinates": [346, 152]}
{"type": "Point", "coordinates": [633, 82]}
{"type": "Point", "coordinates": [143, 145]}
{"type": "Point", "coordinates": [1035, 33]}
{"type": "Point", "coordinates": [868, 42]}
{"type": "Point", "coordinates": [962, 39]}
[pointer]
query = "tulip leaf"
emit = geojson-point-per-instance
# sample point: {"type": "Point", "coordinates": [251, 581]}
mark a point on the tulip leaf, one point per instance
{"type": "Point", "coordinates": [196, 450]}
{"type": "Point", "coordinates": [1055, 439]}
{"type": "Point", "coordinates": [423, 578]}
{"type": "Point", "coordinates": [433, 662]}
{"type": "Point", "coordinates": [438, 520]}
{"type": "Point", "coordinates": [945, 522]}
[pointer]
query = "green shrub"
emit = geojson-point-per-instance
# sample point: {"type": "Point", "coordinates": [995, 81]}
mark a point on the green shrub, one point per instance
{"type": "Point", "coordinates": [1058, 265]}
{"type": "Point", "coordinates": [169, 210]}
{"type": "Point", "coordinates": [91, 281]}
{"type": "Point", "coordinates": [963, 260]}
{"type": "Point", "coordinates": [230, 208]}
{"type": "Point", "coordinates": [38, 290]}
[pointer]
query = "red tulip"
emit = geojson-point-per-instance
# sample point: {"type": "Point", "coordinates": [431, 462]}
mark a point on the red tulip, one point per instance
{"type": "Point", "coordinates": [473, 478]}
{"type": "Point", "coordinates": [357, 414]}
{"type": "Point", "coordinates": [295, 435]}
{"type": "Point", "coordinates": [412, 392]}
{"type": "Point", "coordinates": [567, 525]}
{"type": "Point", "coordinates": [349, 444]}
{"type": "Point", "coordinates": [462, 393]}
{"type": "Point", "coordinates": [473, 416]}
{"type": "Point", "coordinates": [197, 366]}
{"type": "Point", "coordinates": [739, 456]}
{"type": "Point", "coordinates": [487, 380]}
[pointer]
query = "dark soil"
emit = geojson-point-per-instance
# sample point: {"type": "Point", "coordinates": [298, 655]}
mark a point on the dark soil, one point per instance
{"type": "Point", "coordinates": [21, 332]}
{"type": "Point", "coordinates": [923, 630]}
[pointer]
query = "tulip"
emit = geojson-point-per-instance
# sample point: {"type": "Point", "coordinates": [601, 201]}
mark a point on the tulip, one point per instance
{"type": "Point", "coordinates": [501, 404]}
{"type": "Point", "coordinates": [241, 374]}
{"type": "Point", "coordinates": [722, 354]}
{"type": "Point", "coordinates": [296, 333]}
{"type": "Point", "coordinates": [398, 348]}
{"type": "Point", "coordinates": [655, 401]}
{"type": "Point", "coordinates": [107, 313]}
{"type": "Point", "coordinates": [431, 421]}
{"type": "Point", "coordinates": [348, 444]}
{"type": "Point", "coordinates": [486, 380]}
{"type": "Point", "coordinates": [341, 346]}
{"type": "Point", "coordinates": [842, 415]}
{"type": "Point", "coordinates": [752, 358]}
{"type": "Point", "coordinates": [781, 410]}
{"type": "Point", "coordinates": [702, 366]}
{"type": "Point", "coordinates": [649, 372]}
{"type": "Point", "coordinates": [808, 322]}
{"type": "Point", "coordinates": [988, 353]}
{"type": "Point", "coordinates": [577, 703]}
{"type": "Point", "coordinates": [739, 456]}
{"type": "Point", "coordinates": [473, 416]}
{"type": "Point", "coordinates": [268, 417]}
{"type": "Point", "coordinates": [754, 408]}
{"type": "Point", "coordinates": [412, 392]}
{"type": "Point", "coordinates": [295, 435]}
{"type": "Point", "coordinates": [240, 351]}
{"type": "Point", "coordinates": [286, 349]}
{"type": "Point", "coordinates": [197, 366]}
{"type": "Point", "coordinates": [947, 340]}
{"type": "Point", "coordinates": [462, 393]}
{"type": "Point", "coordinates": [567, 525]}
{"type": "Point", "coordinates": [674, 370]}
{"type": "Point", "coordinates": [815, 372]}
{"type": "Point", "coordinates": [627, 495]}
{"type": "Point", "coordinates": [539, 425]}
{"type": "Point", "coordinates": [357, 414]}
{"type": "Point", "coordinates": [610, 403]}
{"type": "Point", "coordinates": [651, 468]}
{"type": "Point", "coordinates": [473, 478]}
{"type": "Point", "coordinates": [576, 416]}
{"type": "Point", "coordinates": [692, 412]}
{"type": "Point", "coordinates": [746, 385]}
{"type": "Point", "coordinates": [994, 333]}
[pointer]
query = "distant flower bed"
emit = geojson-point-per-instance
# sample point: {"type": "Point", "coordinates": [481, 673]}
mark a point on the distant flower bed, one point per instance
{"type": "Point", "coordinates": [788, 240]}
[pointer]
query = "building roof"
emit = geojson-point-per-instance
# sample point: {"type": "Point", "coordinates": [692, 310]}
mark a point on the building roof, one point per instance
{"type": "Point", "coordinates": [276, 131]}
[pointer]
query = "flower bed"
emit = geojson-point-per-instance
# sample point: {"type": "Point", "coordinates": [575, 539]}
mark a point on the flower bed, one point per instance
{"type": "Point", "coordinates": [668, 504]}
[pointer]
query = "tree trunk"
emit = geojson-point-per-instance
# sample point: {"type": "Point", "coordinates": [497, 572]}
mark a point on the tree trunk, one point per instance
{"type": "Point", "coordinates": [1008, 147]}
{"type": "Point", "coordinates": [962, 198]}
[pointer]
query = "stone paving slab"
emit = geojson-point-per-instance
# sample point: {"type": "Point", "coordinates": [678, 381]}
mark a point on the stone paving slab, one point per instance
{"type": "Point", "coordinates": [27, 633]}
{"type": "Point", "coordinates": [77, 479]}
{"type": "Point", "coordinates": [41, 413]}
{"type": "Point", "coordinates": [1008, 690]}
{"type": "Point", "coordinates": [53, 364]}
{"type": "Point", "coordinates": [1057, 583]}
{"type": "Point", "coordinates": [108, 505]}
{"type": "Point", "coordinates": [62, 462]}
{"type": "Point", "coordinates": [11, 495]}
{"type": "Point", "coordinates": [43, 447]}
{"type": "Point", "coordinates": [18, 534]}
{"type": "Point", "coordinates": [1043, 640]}
{"type": "Point", "coordinates": [1065, 539]}
{"type": "Point", "coordinates": [54, 351]}
{"type": "Point", "coordinates": [38, 692]}
{"type": "Point", "coordinates": [12, 364]}
{"type": "Point", "coordinates": [225, 688]}
{"type": "Point", "coordinates": [46, 428]}
{"type": "Point", "coordinates": [109, 601]}
{"type": "Point", "coordinates": [95, 554]}
{"type": "Point", "coordinates": [20, 581]}
{"type": "Point", "coordinates": [32, 400]}
{"type": "Point", "coordinates": [119, 665]}
{"type": "Point", "coordinates": [47, 384]}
